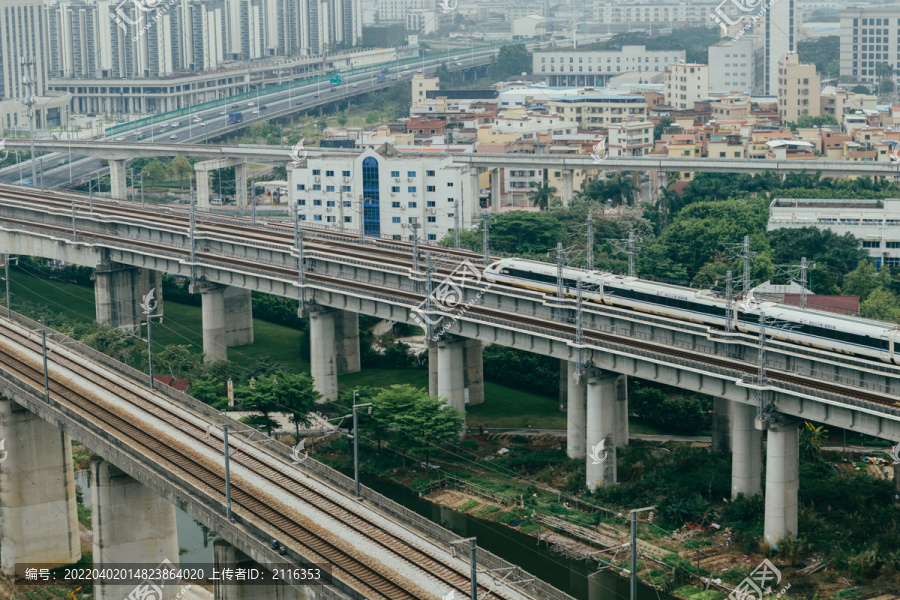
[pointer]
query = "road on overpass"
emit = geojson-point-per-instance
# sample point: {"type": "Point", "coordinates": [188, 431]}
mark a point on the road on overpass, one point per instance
{"type": "Point", "coordinates": [58, 170]}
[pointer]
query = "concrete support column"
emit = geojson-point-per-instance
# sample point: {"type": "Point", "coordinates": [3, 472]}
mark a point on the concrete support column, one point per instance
{"type": "Point", "coordinates": [568, 185]}
{"type": "Point", "coordinates": [334, 348]}
{"type": "Point", "coordinates": [202, 176]}
{"type": "Point", "coordinates": [118, 292]}
{"type": "Point", "coordinates": [576, 414]}
{"type": "Point", "coordinates": [621, 411]}
{"type": "Point", "coordinates": [432, 370]}
{"type": "Point", "coordinates": [746, 455]}
{"type": "Point", "coordinates": [722, 425]}
{"type": "Point", "coordinates": [226, 556]}
{"type": "Point", "coordinates": [238, 307]}
{"type": "Point", "coordinates": [131, 525]}
{"type": "Point", "coordinates": [212, 298]}
{"type": "Point", "coordinates": [782, 481]}
{"type": "Point", "coordinates": [240, 184]}
{"type": "Point", "coordinates": [38, 519]}
{"type": "Point", "coordinates": [495, 189]}
{"type": "Point", "coordinates": [563, 385]}
{"type": "Point", "coordinates": [601, 429]}
{"type": "Point", "coordinates": [117, 184]}
{"type": "Point", "coordinates": [451, 371]}
{"type": "Point", "coordinates": [474, 372]}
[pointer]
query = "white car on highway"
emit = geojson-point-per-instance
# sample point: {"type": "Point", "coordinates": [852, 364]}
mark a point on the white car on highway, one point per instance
{"type": "Point", "coordinates": [120, 139]}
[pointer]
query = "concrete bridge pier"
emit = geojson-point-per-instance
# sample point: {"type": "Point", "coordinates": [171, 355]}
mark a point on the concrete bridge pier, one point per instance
{"type": "Point", "coordinates": [38, 520]}
{"type": "Point", "coordinates": [334, 348]}
{"type": "Point", "coordinates": [226, 556]}
{"type": "Point", "coordinates": [782, 480]}
{"type": "Point", "coordinates": [496, 202]}
{"type": "Point", "coordinates": [117, 180]}
{"type": "Point", "coordinates": [456, 371]}
{"type": "Point", "coordinates": [621, 413]}
{"type": "Point", "coordinates": [746, 455]}
{"type": "Point", "coordinates": [202, 170]}
{"type": "Point", "coordinates": [227, 318]}
{"type": "Point", "coordinates": [568, 185]}
{"type": "Point", "coordinates": [722, 424]}
{"type": "Point", "coordinates": [576, 434]}
{"type": "Point", "coordinates": [240, 184]}
{"type": "Point", "coordinates": [601, 428]}
{"type": "Point", "coordinates": [118, 292]}
{"type": "Point", "coordinates": [132, 525]}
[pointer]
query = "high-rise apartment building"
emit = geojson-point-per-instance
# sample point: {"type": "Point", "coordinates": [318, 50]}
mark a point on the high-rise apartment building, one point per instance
{"type": "Point", "coordinates": [781, 30]}
{"type": "Point", "coordinates": [799, 89]}
{"type": "Point", "coordinates": [737, 65]}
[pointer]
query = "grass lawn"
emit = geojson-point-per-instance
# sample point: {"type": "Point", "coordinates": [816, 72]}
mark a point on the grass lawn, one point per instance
{"type": "Point", "coordinates": [507, 407]}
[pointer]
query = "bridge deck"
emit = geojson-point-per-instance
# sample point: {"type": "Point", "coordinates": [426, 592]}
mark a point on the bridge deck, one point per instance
{"type": "Point", "coordinates": [367, 551]}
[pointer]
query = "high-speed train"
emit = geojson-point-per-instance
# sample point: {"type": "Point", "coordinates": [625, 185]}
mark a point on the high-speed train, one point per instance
{"type": "Point", "coordinates": [861, 337]}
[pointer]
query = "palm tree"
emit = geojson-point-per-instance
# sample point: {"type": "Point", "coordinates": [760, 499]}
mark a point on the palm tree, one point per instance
{"type": "Point", "coordinates": [667, 199]}
{"type": "Point", "coordinates": [543, 195]}
{"type": "Point", "coordinates": [621, 189]}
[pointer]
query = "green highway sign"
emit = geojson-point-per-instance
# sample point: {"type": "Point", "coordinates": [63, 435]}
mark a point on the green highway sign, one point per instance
{"type": "Point", "coordinates": [336, 79]}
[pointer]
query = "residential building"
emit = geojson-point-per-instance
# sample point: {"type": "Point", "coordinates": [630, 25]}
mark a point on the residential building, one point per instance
{"type": "Point", "coordinates": [421, 85]}
{"type": "Point", "coordinates": [737, 65]}
{"type": "Point", "coordinates": [838, 102]}
{"type": "Point", "coordinates": [875, 222]}
{"type": "Point", "coordinates": [726, 146]}
{"type": "Point", "coordinates": [25, 33]}
{"type": "Point", "coordinates": [686, 83]}
{"type": "Point", "coordinates": [593, 68]}
{"type": "Point", "coordinates": [799, 89]}
{"type": "Point", "coordinates": [385, 190]}
{"type": "Point", "coordinates": [631, 137]}
{"type": "Point", "coordinates": [599, 111]}
{"type": "Point", "coordinates": [869, 35]}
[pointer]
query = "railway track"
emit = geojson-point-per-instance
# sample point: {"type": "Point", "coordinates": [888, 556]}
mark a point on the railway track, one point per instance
{"type": "Point", "coordinates": [211, 480]}
{"type": "Point", "coordinates": [564, 329]}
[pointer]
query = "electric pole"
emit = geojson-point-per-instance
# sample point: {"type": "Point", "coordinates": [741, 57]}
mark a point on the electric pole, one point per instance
{"type": "Point", "coordinates": [486, 236]}
{"type": "Point", "coordinates": [29, 81]}
{"type": "Point", "coordinates": [590, 242]}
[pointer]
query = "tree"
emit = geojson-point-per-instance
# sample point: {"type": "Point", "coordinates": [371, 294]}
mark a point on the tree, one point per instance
{"type": "Point", "coordinates": [388, 113]}
{"type": "Point", "coordinates": [812, 439]}
{"type": "Point", "coordinates": [322, 123]}
{"type": "Point", "coordinates": [661, 126]}
{"type": "Point", "coordinates": [543, 195]}
{"type": "Point", "coordinates": [177, 360]}
{"type": "Point", "coordinates": [414, 421]}
{"type": "Point", "coordinates": [882, 305]}
{"type": "Point", "coordinates": [155, 170]}
{"type": "Point", "coordinates": [181, 168]}
{"type": "Point", "coordinates": [295, 394]}
{"type": "Point", "coordinates": [373, 117]}
{"type": "Point", "coordinates": [259, 396]}
{"type": "Point", "coordinates": [824, 52]}
{"type": "Point", "coordinates": [209, 390]}
{"type": "Point", "coordinates": [860, 89]}
{"type": "Point", "coordinates": [886, 87]}
{"type": "Point", "coordinates": [342, 119]}
{"type": "Point", "coordinates": [816, 120]}
{"type": "Point", "coordinates": [513, 59]}
{"type": "Point", "coordinates": [861, 281]}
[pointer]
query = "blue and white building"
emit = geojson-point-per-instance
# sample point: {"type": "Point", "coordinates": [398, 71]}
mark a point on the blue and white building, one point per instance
{"type": "Point", "coordinates": [385, 190]}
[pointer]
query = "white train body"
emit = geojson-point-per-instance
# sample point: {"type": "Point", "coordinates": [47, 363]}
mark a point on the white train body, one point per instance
{"type": "Point", "coordinates": [847, 335]}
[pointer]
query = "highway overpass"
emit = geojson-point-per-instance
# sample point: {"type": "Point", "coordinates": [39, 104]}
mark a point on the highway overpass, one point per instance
{"type": "Point", "coordinates": [337, 276]}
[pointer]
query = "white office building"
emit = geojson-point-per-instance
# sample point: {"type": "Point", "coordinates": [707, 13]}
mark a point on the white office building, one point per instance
{"type": "Point", "coordinates": [660, 13]}
{"type": "Point", "coordinates": [391, 194]}
{"type": "Point", "coordinates": [737, 65]}
{"type": "Point", "coordinates": [593, 68]}
{"type": "Point", "coordinates": [869, 35]}
{"type": "Point", "coordinates": [875, 222]}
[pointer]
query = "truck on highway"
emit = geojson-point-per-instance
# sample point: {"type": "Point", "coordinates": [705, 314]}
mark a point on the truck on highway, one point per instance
{"type": "Point", "coordinates": [385, 69]}
{"type": "Point", "coordinates": [235, 117]}
{"type": "Point", "coordinates": [380, 79]}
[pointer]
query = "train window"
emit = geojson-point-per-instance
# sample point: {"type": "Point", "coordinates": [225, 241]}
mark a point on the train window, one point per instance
{"type": "Point", "coordinates": [897, 348]}
{"type": "Point", "coordinates": [533, 276]}
{"type": "Point", "coordinates": [664, 301]}
{"type": "Point", "coordinates": [831, 334]}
